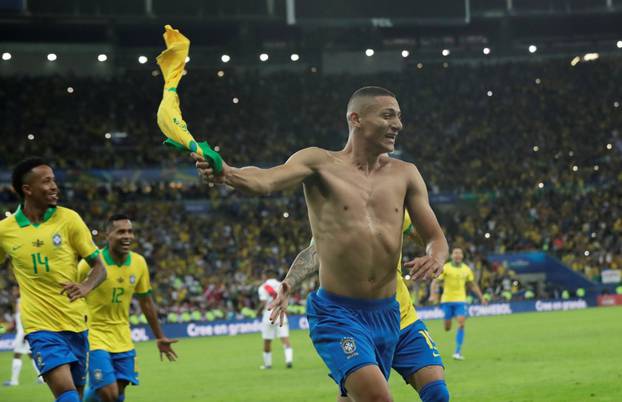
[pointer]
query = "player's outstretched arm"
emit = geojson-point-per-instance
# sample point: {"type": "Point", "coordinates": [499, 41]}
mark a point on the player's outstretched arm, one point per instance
{"type": "Point", "coordinates": [427, 226]}
{"type": "Point", "coordinates": [163, 343]}
{"type": "Point", "coordinates": [305, 264]}
{"type": "Point", "coordinates": [256, 180]}
{"type": "Point", "coordinates": [96, 276]}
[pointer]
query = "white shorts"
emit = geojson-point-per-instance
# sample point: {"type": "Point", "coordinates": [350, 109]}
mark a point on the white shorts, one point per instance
{"type": "Point", "coordinates": [20, 345]}
{"type": "Point", "coordinates": [271, 331]}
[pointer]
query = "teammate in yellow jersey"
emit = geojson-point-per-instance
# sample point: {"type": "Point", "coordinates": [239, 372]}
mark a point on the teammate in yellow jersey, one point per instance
{"type": "Point", "coordinates": [45, 242]}
{"type": "Point", "coordinates": [455, 276]}
{"type": "Point", "coordinates": [112, 358]}
{"type": "Point", "coordinates": [416, 356]}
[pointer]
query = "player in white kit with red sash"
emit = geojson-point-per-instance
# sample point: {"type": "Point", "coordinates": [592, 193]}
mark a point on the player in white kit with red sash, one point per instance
{"type": "Point", "coordinates": [267, 293]}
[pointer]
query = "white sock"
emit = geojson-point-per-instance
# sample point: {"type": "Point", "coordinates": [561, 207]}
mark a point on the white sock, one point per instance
{"type": "Point", "coordinates": [16, 367]}
{"type": "Point", "coordinates": [267, 359]}
{"type": "Point", "coordinates": [35, 366]}
{"type": "Point", "coordinates": [289, 355]}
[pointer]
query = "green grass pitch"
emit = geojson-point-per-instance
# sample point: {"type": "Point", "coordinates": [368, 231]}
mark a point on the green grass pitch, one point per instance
{"type": "Point", "coordinates": [561, 356]}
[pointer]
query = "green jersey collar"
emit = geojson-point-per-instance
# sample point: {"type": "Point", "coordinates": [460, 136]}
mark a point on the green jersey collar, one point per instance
{"type": "Point", "coordinates": [110, 261]}
{"type": "Point", "coordinates": [23, 221]}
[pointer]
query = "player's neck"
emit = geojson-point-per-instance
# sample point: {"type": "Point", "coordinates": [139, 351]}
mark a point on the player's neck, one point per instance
{"type": "Point", "coordinates": [361, 155]}
{"type": "Point", "coordinates": [34, 212]}
{"type": "Point", "coordinates": [456, 264]}
{"type": "Point", "coordinates": [118, 258]}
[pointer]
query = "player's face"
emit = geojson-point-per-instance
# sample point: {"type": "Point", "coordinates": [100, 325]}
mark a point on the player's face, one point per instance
{"type": "Point", "coordinates": [121, 236]}
{"type": "Point", "coordinates": [381, 122]}
{"type": "Point", "coordinates": [457, 256]}
{"type": "Point", "coordinates": [40, 186]}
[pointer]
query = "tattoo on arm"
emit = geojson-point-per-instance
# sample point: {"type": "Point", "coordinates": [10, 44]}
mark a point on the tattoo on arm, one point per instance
{"type": "Point", "coordinates": [305, 264]}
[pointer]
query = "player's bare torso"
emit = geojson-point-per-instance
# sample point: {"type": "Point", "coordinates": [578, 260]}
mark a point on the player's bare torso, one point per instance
{"type": "Point", "coordinates": [356, 218]}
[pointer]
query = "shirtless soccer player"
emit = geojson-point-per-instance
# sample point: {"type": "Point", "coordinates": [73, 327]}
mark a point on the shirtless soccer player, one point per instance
{"type": "Point", "coordinates": [356, 199]}
{"type": "Point", "coordinates": [416, 357]}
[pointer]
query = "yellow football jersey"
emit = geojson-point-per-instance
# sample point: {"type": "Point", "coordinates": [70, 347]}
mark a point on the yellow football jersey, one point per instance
{"type": "Point", "coordinates": [109, 304]}
{"type": "Point", "coordinates": [454, 282]}
{"type": "Point", "coordinates": [407, 309]}
{"type": "Point", "coordinates": [44, 256]}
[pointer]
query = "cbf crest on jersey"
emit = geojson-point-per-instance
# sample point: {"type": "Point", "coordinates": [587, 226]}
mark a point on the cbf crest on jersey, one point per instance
{"type": "Point", "coordinates": [57, 240]}
{"type": "Point", "coordinates": [348, 345]}
{"type": "Point", "coordinates": [132, 279]}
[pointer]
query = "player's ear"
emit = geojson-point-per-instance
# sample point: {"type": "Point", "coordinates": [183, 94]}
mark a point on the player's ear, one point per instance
{"type": "Point", "coordinates": [26, 189]}
{"type": "Point", "coordinates": [354, 120]}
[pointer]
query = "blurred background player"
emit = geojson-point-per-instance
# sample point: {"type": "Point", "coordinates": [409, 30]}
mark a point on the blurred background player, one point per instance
{"type": "Point", "coordinates": [456, 276]}
{"type": "Point", "coordinates": [112, 357]}
{"type": "Point", "coordinates": [416, 356]}
{"type": "Point", "coordinates": [20, 347]}
{"type": "Point", "coordinates": [45, 242]}
{"type": "Point", "coordinates": [267, 294]}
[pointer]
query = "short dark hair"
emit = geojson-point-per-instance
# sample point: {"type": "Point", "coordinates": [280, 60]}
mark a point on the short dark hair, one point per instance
{"type": "Point", "coordinates": [20, 171]}
{"type": "Point", "coordinates": [370, 91]}
{"type": "Point", "coordinates": [116, 217]}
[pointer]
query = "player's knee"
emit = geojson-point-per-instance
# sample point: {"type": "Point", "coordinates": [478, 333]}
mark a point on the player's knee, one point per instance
{"type": "Point", "coordinates": [108, 395]}
{"type": "Point", "coordinates": [435, 391]}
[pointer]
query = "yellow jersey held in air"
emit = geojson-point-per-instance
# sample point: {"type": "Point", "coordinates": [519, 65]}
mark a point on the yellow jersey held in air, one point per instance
{"type": "Point", "coordinates": [45, 256]}
{"type": "Point", "coordinates": [109, 303]}
{"type": "Point", "coordinates": [408, 315]}
{"type": "Point", "coordinates": [454, 280]}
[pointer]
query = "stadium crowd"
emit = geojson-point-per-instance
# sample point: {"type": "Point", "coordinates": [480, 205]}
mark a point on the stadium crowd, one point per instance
{"type": "Point", "coordinates": [531, 152]}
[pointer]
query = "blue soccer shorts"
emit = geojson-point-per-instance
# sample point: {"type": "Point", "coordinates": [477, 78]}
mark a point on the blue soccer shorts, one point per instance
{"type": "Point", "coordinates": [106, 368]}
{"type": "Point", "coordinates": [53, 349]}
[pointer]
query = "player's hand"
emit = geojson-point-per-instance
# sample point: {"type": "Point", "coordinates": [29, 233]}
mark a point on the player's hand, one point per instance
{"type": "Point", "coordinates": [207, 173]}
{"type": "Point", "coordinates": [165, 348]}
{"type": "Point", "coordinates": [75, 290]}
{"type": "Point", "coordinates": [278, 306]}
{"type": "Point", "coordinates": [426, 267]}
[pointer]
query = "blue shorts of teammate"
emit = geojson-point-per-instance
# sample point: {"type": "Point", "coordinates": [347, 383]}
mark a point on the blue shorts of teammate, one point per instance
{"type": "Point", "coordinates": [53, 349]}
{"type": "Point", "coordinates": [415, 350]}
{"type": "Point", "coordinates": [454, 309]}
{"type": "Point", "coordinates": [107, 368]}
{"type": "Point", "coordinates": [351, 333]}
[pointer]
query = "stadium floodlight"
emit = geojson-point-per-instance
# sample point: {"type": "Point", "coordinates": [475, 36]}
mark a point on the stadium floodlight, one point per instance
{"type": "Point", "coordinates": [487, 235]}
{"type": "Point", "coordinates": [575, 61]}
{"type": "Point", "coordinates": [420, 65]}
{"type": "Point", "coordinates": [225, 58]}
{"type": "Point", "coordinates": [405, 53]}
{"type": "Point", "coordinates": [609, 146]}
{"type": "Point", "coordinates": [286, 215]}
{"type": "Point", "coordinates": [445, 52]}
{"type": "Point", "coordinates": [102, 58]}
{"type": "Point", "coordinates": [619, 44]}
{"type": "Point", "coordinates": [52, 57]}
{"type": "Point", "coordinates": [538, 81]}
{"type": "Point", "coordinates": [31, 137]}
{"type": "Point", "coordinates": [369, 52]}
{"type": "Point", "coordinates": [294, 57]}
{"type": "Point", "coordinates": [7, 214]}
{"type": "Point", "coordinates": [187, 59]}
{"type": "Point", "coordinates": [94, 232]}
{"type": "Point", "coordinates": [142, 59]}
{"type": "Point", "coordinates": [107, 136]}
{"type": "Point", "coordinates": [264, 57]}
{"type": "Point", "coordinates": [575, 168]}
{"type": "Point", "coordinates": [591, 56]}
{"type": "Point", "coordinates": [6, 56]}
{"type": "Point", "coordinates": [236, 100]}
{"type": "Point", "coordinates": [616, 104]}
{"type": "Point", "coordinates": [536, 148]}
{"type": "Point", "coordinates": [540, 185]}
{"type": "Point", "coordinates": [596, 168]}
{"type": "Point", "coordinates": [533, 48]}
{"type": "Point", "coordinates": [69, 90]}
{"type": "Point", "coordinates": [486, 50]}
{"type": "Point", "coordinates": [489, 93]}
{"type": "Point", "coordinates": [586, 253]}
{"type": "Point", "coordinates": [220, 73]}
